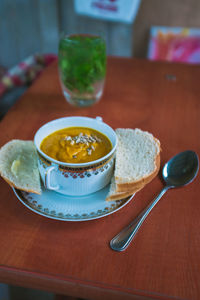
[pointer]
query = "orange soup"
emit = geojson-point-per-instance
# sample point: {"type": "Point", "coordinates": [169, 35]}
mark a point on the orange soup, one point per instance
{"type": "Point", "coordinates": [76, 145]}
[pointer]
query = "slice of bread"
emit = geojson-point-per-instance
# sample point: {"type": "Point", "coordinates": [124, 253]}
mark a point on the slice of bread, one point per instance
{"type": "Point", "coordinates": [137, 159]}
{"type": "Point", "coordinates": [113, 195]}
{"type": "Point", "coordinates": [18, 165]}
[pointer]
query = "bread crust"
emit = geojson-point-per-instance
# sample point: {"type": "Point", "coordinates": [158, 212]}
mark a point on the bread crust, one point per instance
{"type": "Point", "coordinates": [122, 195]}
{"type": "Point", "coordinates": [119, 196]}
{"type": "Point", "coordinates": [127, 186]}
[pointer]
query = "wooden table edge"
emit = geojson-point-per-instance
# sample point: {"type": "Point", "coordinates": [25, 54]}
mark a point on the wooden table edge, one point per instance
{"type": "Point", "coordinates": [74, 287]}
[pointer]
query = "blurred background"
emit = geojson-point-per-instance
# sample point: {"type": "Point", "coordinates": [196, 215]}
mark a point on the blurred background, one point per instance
{"type": "Point", "coordinates": [30, 27]}
{"type": "Point", "coordinates": [33, 26]}
{"type": "Point", "coordinates": [150, 29]}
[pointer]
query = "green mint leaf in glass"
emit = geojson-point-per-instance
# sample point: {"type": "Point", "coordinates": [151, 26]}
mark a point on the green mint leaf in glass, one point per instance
{"type": "Point", "coordinates": [82, 62]}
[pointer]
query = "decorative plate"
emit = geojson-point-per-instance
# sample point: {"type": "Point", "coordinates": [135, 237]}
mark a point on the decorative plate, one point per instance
{"type": "Point", "coordinates": [53, 205]}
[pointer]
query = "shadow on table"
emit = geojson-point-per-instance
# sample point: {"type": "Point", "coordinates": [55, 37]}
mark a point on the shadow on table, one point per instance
{"type": "Point", "coordinates": [9, 292]}
{"type": "Point", "coordinates": [9, 99]}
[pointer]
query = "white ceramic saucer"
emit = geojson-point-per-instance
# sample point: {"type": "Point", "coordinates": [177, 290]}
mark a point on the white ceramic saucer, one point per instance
{"type": "Point", "coordinates": [53, 205]}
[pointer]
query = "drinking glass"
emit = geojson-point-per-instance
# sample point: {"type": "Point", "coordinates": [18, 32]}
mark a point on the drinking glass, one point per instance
{"type": "Point", "coordinates": [82, 68]}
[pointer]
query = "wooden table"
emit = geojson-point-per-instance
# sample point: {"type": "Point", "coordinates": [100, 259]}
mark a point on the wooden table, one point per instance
{"type": "Point", "coordinates": [74, 258]}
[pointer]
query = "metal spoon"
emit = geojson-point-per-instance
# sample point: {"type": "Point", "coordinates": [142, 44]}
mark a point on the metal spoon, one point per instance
{"type": "Point", "coordinates": [178, 171]}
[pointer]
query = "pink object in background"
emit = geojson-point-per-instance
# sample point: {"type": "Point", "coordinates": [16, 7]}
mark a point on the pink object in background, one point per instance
{"type": "Point", "coordinates": [174, 44]}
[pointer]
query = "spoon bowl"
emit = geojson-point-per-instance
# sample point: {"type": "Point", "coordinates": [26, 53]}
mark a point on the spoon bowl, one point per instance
{"type": "Point", "coordinates": [178, 171]}
{"type": "Point", "coordinates": [181, 169]}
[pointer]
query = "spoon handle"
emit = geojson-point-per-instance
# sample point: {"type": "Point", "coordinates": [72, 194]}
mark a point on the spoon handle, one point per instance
{"type": "Point", "coordinates": [122, 240]}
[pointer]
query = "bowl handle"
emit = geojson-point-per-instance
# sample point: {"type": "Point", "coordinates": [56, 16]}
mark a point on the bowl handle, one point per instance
{"type": "Point", "coordinates": [47, 179]}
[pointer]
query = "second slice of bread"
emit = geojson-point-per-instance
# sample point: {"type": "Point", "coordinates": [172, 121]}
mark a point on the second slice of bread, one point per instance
{"type": "Point", "coordinates": [113, 195]}
{"type": "Point", "coordinates": [137, 159]}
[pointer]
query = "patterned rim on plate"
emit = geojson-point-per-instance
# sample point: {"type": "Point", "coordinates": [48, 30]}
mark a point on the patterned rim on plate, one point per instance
{"type": "Point", "coordinates": [32, 204]}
